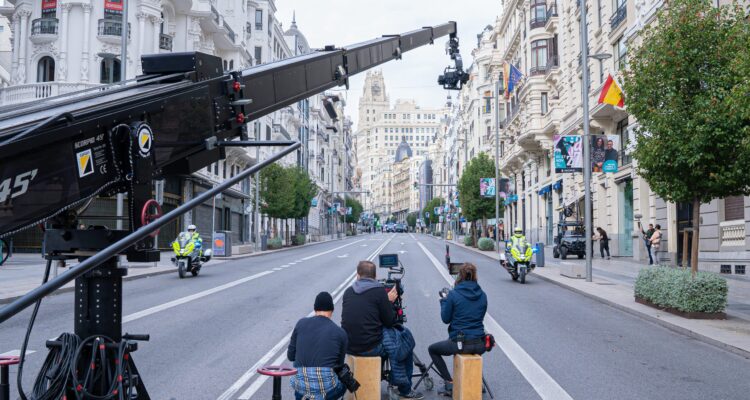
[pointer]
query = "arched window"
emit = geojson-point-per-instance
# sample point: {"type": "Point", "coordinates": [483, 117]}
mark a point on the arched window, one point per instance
{"type": "Point", "coordinates": [231, 65]}
{"type": "Point", "coordinates": [45, 71]}
{"type": "Point", "coordinates": [110, 70]}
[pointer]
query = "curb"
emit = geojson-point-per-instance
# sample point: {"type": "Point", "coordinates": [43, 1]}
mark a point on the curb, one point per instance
{"type": "Point", "coordinates": [646, 317]}
{"type": "Point", "coordinates": [262, 253]}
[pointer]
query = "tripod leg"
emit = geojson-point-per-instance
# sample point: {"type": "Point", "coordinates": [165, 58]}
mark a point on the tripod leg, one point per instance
{"type": "Point", "coordinates": [486, 386]}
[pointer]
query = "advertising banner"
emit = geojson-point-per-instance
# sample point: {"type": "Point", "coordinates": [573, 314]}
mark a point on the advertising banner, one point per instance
{"type": "Point", "coordinates": [605, 153]}
{"type": "Point", "coordinates": [49, 5]}
{"type": "Point", "coordinates": [219, 244]}
{"type": "Point", "coordinates": [487, 187]}
{"type": "Point", "coordinates": [568, 153]}
{"type": "Point", "coordinates": [113, 5]}
{"type": "Point", "coordinates": [504, 187]}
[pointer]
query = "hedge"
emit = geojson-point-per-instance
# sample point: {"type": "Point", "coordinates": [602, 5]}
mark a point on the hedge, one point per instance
{"type": "Point", "coordinates": [298, 240]}
{"type": "Point", "coordinates": [468, 241]}
{"type": "Point", "coordinates": [274, 243]}
{"type": "Point", "coordinates": [676, 288]}
{"type": "Point", "coordinates": [486, 244]}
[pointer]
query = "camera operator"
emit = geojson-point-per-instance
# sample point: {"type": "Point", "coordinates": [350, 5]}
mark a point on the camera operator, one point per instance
{"type": "Point", "coordinates": [463, 309]}
{"type": "Point", "coordinates": [369, 319]}
{"type": "Point", "coordinates": [318, 348]}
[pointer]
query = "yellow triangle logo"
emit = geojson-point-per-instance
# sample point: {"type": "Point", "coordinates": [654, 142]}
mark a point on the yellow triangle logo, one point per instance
{"type": "Point", "coordinates": [144, 139]}
{"type": "Point", "coordinates": [84, 160]}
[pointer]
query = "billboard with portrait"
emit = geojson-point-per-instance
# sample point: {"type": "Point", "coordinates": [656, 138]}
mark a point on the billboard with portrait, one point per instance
{"type": "Point", "coordinates": [487, 187]}
{"type": "Point", "coordinates": [568, 153]}
{"type": "Point", "coordinates": [605, 153]}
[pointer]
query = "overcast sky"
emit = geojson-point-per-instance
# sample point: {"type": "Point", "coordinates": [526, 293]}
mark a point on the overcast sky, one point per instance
{"type": "Point", "coordinates": [342, 22]}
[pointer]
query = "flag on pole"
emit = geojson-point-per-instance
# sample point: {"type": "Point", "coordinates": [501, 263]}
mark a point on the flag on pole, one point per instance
{"type": "Point", "coordinates": [511, 77]}
{"type": "Point", "coordinates": [612, 93]}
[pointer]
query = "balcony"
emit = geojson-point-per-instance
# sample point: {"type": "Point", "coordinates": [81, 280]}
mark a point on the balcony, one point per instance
{"type": "Point", "coordinates": [44, 30]}
{"type": "Point", "coordinates": [538, 70]}
{"type": "Point", "coordinates": [19, 94]}
{"type": "Point", "coordinates": [552, 18]}
{"type": "Point", "coordinates": [618, 17]}
{"type": "Point", "coordinates": [732, 233]}
{"type": "Point", "coordinates": [230, 32]}
{"type": "Point", "coordinates": [552, 10]}
{"type": "Point", "coordinates": [553, 69]}
{"type": "Point", "coordinates": [110, 30]}
{"type": "Point", "coordinates": [165, 42]}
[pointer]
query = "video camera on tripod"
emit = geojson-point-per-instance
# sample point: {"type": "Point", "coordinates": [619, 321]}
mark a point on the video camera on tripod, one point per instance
{"type": "Point", "coordinates": [396, 274]}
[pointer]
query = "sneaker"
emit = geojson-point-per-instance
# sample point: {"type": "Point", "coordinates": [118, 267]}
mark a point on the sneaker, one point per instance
{"type": "Point", "coordinates": [412, 395]}
{"type": "Point", "coordinates": [447, 390]}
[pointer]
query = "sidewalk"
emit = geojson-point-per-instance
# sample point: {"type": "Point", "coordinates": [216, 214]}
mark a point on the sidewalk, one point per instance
{"type": "Point", "coordinates": [24, 271]}
{"type": "Point", "coordinates": [613, 285]}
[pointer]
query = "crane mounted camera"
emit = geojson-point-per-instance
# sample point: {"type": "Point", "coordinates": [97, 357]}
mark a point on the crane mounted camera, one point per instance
{"type": "Point", "coordinates": [396, 273]}
{"type": "Point", "coordinates": [453, 78]}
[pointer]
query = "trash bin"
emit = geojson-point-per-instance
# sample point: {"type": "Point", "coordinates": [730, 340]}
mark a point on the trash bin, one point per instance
{"type": "Point", "coordinates": [222, 244]}
{"type": "Point", "coordinates": [540, 254]}
{"type": "Point", "coordinates": [263, 242]}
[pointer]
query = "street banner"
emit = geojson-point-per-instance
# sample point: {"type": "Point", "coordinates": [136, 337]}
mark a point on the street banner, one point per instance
{"type": "Point", "coordinates": [605, 153]}
{"type": "Point", "coordinates": [568, 153]}
{"type": "Point", "coordinates": [113, 5]}
{"type": "Point", "coordinates": [49, 5]}
{"type": "Point", "coordinates": [487, 187]}
{"type": "Point", "coordinates": [348, 211]}
{"type": "Point", "coordinates": [504, 187]}
{"type": "Point", "coordinates": [314, 202]}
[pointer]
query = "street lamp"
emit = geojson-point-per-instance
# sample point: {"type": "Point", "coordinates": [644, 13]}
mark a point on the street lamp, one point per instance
{"type": "Point", "coordinates": [588, 226]}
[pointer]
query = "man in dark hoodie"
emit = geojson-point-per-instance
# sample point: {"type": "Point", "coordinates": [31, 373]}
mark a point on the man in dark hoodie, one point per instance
{"type": "Point", "coordinates": [463, 309]}
{"type": "Point", "coordinates": [367, 309]}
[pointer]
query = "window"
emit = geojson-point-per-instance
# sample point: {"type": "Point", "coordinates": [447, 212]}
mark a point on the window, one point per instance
{"type": "Point", "coordinates": [545, 106]}
{"type": "Point", "coordinates": [258, 20]}
{"type": "Point", "coordinates": [538, 13]}
{"type": "Point", "coordinates": [621, 54]}
{"type": "Point", "coordinates": [623, 133]}
{"type": "Point", "coordinates": [45, 71]}
{"type": "Point", "coordinates": [216, 168]}
{"type": "Point", "coordinates": [110, 70]}
{"type": "Point", "coordinates": [268, 133]}
{"type": "Point", "coordinates": [734, 208]}
{"type": "Point", "coordinates": [538, 57]}
{"type": "Point", "coordinates": [258, 54]}
{"type": "Point", "coordinates": [487, 102]}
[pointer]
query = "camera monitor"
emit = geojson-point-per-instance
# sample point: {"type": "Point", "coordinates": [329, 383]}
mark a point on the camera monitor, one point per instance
{"type": "Point", "coordinates": [388, 260]}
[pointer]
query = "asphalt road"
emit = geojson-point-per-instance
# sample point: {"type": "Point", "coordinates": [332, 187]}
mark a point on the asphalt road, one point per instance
{"type": "Point", "coordinates": [209, 333]}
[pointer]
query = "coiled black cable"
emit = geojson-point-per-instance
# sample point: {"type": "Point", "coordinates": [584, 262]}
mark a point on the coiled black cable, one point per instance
{"type": "Point", "coordinates": [19, 380]}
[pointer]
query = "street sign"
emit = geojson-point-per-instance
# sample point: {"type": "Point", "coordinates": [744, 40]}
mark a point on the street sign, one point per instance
{"type": "Point", "coordinates": [348, 211]}
{"type": "Point", "coordinates": [336, 206]}
{"type": "Point", "coordinates": [427, 214]}
{"type": "Point", "coordinates": [314, 202]}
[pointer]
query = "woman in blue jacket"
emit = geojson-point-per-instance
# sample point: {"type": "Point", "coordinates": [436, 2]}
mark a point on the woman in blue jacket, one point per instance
{"type": "Point", "coordinates": [463, 310]}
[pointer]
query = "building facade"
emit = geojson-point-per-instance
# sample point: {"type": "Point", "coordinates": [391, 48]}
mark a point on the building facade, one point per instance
{"type": "Point", "coordinates": [542, 39]}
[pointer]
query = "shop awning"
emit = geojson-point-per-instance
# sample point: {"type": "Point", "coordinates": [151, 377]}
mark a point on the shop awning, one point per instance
{"type": "Point", "coordinates": [545, 190]}
{"type": "Point", "coordinates": [557, 185]}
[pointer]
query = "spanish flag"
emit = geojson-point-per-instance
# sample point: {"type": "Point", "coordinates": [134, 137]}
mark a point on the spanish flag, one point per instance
{"type": "Point", "coordinates": [612, 93]}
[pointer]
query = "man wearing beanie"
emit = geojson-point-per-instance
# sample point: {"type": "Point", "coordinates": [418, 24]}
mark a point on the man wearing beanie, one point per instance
{"type": "Point", "coordinates": [317, 347]}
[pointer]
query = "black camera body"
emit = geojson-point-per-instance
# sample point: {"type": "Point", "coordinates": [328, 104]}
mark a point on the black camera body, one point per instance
{"type": "Point", "coordinates": [394, 279]}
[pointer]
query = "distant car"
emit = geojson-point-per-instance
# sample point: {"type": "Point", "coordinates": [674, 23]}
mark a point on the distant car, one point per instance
{"type": "Point", "coordinates": [570, 239]}
{"type": "Point", "coordinates": [390, 227]}
{"type": "Point", "coordinates": [400, 228]}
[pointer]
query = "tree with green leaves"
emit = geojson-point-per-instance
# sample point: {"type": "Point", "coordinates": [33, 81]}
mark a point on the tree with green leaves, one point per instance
{"type": "Point", "coordinates": [411, 219]}
{"type": "Point", "coordinates": [277, 200]}
{"type": "Point", "coordinates": [430, 207]}
{"type": "Point", "coordinates": [688, 88]}
{"type": "Point", "coordinates": [356, 210]}
{"type": "Point", "coordinates": [304, 190]}
{"type": "Point", "coordinates": [473, 206]}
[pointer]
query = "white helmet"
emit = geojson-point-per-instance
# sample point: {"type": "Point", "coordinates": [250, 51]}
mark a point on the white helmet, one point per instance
{"type": "Point", "coordinates": [518, 230]}
{"type": "Point", "coordinates": [191, 228]}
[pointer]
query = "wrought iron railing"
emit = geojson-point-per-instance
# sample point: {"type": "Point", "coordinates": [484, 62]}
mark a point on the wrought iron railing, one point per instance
{"type": "Point", "coordinates": [552, 10]}
{"type": "Point", "coordinates": [44, 26]}
{"type": "Point", "coordinates": [111, 27]}
{"type": "Point", "coordinates": [618, 16]}
{"type": "Point", "coordinates": [165, 42]}
{"type": "Point", "coordinates": [538, 22]}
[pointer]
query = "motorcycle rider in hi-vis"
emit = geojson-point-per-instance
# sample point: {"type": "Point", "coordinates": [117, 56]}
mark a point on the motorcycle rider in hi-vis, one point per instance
{"type": "Point", "coordinates": [519, 247]}
{"type": "Point", "coordinates": [197, 241]}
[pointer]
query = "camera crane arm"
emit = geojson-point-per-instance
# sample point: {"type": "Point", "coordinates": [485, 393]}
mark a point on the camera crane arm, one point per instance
{"type": "Point", "coordinates": [57, 154]}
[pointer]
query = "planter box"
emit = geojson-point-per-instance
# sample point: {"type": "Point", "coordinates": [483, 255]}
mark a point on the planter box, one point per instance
{"type": "Point", "coordinates": [683, 314]}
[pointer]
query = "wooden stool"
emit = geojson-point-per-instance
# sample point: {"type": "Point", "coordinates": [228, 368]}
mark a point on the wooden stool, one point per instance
{"type": "Point", "coordinates": [366, 371]}
{"type": "Point", "coordinates": [467, 377]}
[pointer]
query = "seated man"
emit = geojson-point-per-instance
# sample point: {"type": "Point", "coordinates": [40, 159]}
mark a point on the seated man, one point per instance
{"type": "Point", "coordinates": [368, 318]}
{"type": "Point", "coordinates": [317, 348]}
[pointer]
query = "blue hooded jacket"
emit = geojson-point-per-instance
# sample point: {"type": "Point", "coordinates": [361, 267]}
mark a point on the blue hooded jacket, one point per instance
{"type": "Point", "coordinates": [463, 310]}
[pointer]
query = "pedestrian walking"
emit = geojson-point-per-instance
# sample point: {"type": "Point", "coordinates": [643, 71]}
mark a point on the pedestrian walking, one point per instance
{"type": "Point", "coordinates": [655, 240]}
{"type": "Point", "coordinates": [601, 236]}
{"type": "Point", "coordinates": [647, 241]}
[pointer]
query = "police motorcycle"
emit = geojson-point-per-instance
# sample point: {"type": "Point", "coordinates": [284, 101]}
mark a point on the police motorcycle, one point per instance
{"type": "Point", "coordinates": [186, 258]}
{"type": "Point", "coordinates": [517, 259]}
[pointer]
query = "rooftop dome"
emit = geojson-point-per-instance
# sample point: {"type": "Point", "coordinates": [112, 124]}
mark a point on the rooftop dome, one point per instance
{"type": "Point", "coordinates": [403, 151]}
{"type": "Point", "coordinates": [294, 31]}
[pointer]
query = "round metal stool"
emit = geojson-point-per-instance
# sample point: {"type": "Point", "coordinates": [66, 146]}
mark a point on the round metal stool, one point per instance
{"type": "Point", "coordinates": [5, 363]}
{"type": "Point", "coordinates": [277, 372]}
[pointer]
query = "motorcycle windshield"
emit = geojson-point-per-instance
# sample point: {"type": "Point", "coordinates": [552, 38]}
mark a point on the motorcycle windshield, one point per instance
{"type": "Point", "coordinates": [183, 239]}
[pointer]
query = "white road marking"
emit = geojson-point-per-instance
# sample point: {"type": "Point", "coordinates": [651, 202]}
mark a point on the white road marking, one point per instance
{"type": "Point", "coordinates": [277, 269]}
{"type": "Point", "coordinates": [344, 256]}
{"type": "Point", "coordinates": [545, 386]}
{"type": "Point", "coordinates": [246, 395]}
{"type": "Point", "coordinates": [403, 251]}
{"type": "Point", "coordinates": [17, 352]}
{"type": "Point", "coordinates": [186, 299]}
{"type": "Point", "coordinates": [285, 266]}
{"type": "Point", "coordinates": [292, 263]}
{"type": "Point", "coordinates": [332, 250]}
{"type": "Point", "coordinates": [248, 375]}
